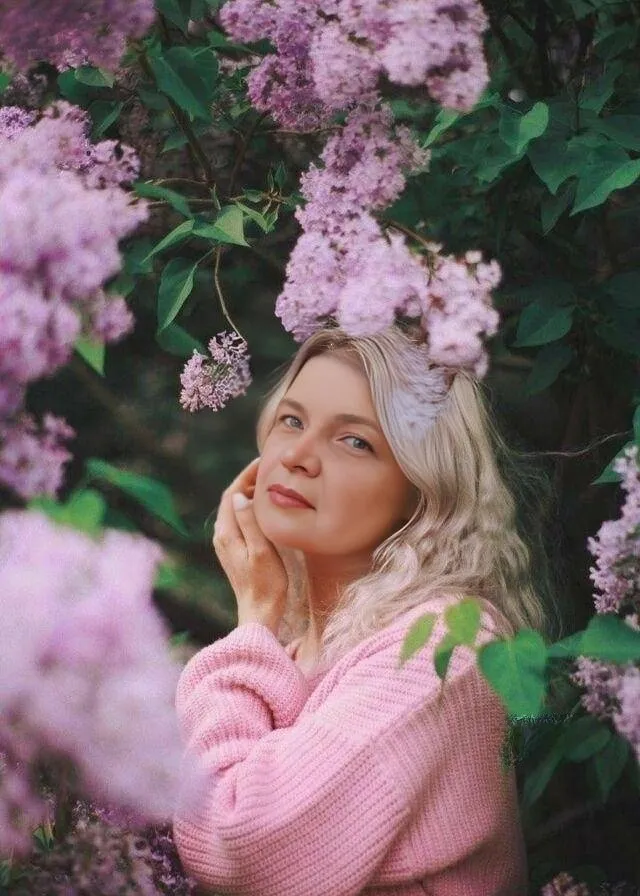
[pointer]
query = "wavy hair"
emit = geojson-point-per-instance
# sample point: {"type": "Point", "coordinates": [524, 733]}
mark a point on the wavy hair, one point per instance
{"type": "Point", "coordinates": [464, 537]}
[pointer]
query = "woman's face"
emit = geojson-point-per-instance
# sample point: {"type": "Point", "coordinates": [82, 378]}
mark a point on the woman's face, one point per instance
{"type": "Point", "coordinates": [326, 444]}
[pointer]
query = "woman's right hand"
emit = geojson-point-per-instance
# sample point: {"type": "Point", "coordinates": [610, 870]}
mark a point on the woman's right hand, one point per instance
{"type": "Point", "coordinates": [251, 562]}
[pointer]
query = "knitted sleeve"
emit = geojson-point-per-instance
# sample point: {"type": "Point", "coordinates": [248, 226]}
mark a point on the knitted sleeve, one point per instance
{"type": "Point", "coordinates": [310, 801]}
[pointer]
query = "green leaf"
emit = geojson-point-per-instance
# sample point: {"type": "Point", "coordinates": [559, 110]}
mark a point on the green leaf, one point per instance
{"type": "Point", "coordinates": [536, 781]}
{"type": "Point", "coordinates": [584, 737]}
{"type": "Point", "coordinates": [443, 653]}
{"type": "Point", "coordinates": [93, 77]}
{"type": "Point", "coordinates": [445, 119]}
{"type": "Point", "coordinates": [552, 207]}
{"type": "Point", "coordinates": [177, 235]}
{"type": "Point", "coordinates": [149, 190]}
{"type": "Point", "coordinates": [609, 764]}
{"type": "Point", "coordinates": [566, 648]}
{"type": "Point", "coordinates": [622, 129]}
{"type": "Point", "coordinates": [541, 323]}
{"type": "Point", "coordinates": [463, 620]}
{"type": "Point", "coordinates": [92, 352]}
{"type": "Point", "coordinates": [598, 184]}
{"type": "Point", "coordinates": [176, 285]}
{"type": "Point", "coordinates": [636, 424]}
{"type": "Point", "coordinates": [515, 668]}
{"type": "Point", "coordinates": [596, 94]}
{"type": "Point", "coordinates": [178, 76]}
{"type": "Point", "coordinates": [255, 216]}
{"type": "Point", "coordinates": [609, 475]}
{"type": "Point", "coordinates": [103, 114]}
{"type": "Point", "coordinates": [151, 494]}
{"type": "Point", "coordinates": [518, 130]}
{"type": "Point", "coordinates": [549, 363]}
{"type": "Point", "coordinates": [174, 12]}
{"type": "Point", "coordinates": [228, 227]}
{"type": "Point", "coordinates": [624, 289]}
{"type": "Point", "coordinates": [608, 638]}
{"type": "Point", "coordinates": [5, 80]}
{"type": "Point", "coordinates": [177, 341]}
{"type": "Point", "coordinates": [417, 636]}
{"type": "Point", "coordinates": [84, 510]}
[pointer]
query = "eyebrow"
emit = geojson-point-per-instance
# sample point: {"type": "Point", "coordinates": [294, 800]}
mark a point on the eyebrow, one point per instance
{"type": "Point", "coordinates": [342, 418]}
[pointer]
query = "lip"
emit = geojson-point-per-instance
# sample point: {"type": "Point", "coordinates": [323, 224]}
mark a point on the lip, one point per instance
{"type": "Point", "coordinates": [295, 499]}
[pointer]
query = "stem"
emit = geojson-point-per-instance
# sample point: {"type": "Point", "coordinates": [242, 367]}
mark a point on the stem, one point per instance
{"type": "Point", "coordinates": [219, 293]}
{"type": "Point", "coordinates": [244, 145]}
{"type": "Point", "coordinates": [185, 126]}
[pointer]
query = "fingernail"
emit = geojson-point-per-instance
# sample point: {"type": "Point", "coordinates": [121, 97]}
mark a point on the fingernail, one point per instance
{"type": "Point", "coordinates": [240, 501]}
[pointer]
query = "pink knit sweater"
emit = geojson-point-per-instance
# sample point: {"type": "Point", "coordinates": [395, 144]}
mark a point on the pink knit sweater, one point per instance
{"type": "Point", "coordinates": [363, 779]}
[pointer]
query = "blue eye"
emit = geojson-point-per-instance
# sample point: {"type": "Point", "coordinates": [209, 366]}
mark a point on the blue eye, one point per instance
{"type": "Point", "coordinates": [367, 446]}
{"type": "Point", "coordinates": [288, 417]}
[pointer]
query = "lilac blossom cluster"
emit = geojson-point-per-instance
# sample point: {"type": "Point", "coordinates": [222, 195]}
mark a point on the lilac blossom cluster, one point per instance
{"type": "Point", "coordinates": [329, 53]}
{"type": "Point", "coordinates": [344, 255]}
{"type": "Point", "coordinates": [101, 855]}
{"type": "Point", "coordinates": [71, 32]}
{"type": "Point", "coordinates": [330, 56]}
{"type": "Point", "coordinates": [210, 382]}
{"type": "Point", "coordinates": [612, 691]}
{"type": "Point", "coordinates": [63, 210]}
{"type": "Point", "coordinates": [87, 683]}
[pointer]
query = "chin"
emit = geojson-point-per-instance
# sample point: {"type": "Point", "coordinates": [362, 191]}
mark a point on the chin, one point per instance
{"type": "Point", "coordinates": [281, 531]}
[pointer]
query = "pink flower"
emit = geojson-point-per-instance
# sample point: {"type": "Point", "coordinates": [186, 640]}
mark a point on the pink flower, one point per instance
{"type": "Point", "coordinates": [212, 382]}
{"type": "Point", "coordinates": [71, 32]}
{"type": "Point", "coordinates": [85, 673]}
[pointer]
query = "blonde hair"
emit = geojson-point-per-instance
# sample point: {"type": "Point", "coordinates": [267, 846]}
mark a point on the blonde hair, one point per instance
{"type": "Point", "coordinates": [463, 537]}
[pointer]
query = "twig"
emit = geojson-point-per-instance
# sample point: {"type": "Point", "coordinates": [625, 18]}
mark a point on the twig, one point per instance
{"type": "Point", "coordinates": [244, 145]}
{"type": "Point", "coordinates": [219, 293]}
{"type": "Point", "coordinates": [581, 451]}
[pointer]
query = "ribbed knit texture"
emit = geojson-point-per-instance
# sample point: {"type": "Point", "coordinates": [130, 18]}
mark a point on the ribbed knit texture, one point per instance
{"type": "Point", "coordinates": [367, 778]}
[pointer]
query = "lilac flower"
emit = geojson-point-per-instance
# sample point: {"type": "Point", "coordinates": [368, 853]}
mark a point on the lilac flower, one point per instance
{"type": "Point", "coordinates": [627, 718]}
{"type": "Point", "coordinates": [71, 32]}
{"type": "Point", "coordinates": [616, 547]}
{"type": "Point", "coordinates": [364, 168]}
{"type": "Point", "coordinates": [102, 854]}
{"type": "Point", "coordinates": [62, 215]}
{"type": "Point", "coordinates": [212, 382]}
{"type": "Point", "coordinates": [85, 674]}
{"type": "Point", "coordinates": [32, 458]}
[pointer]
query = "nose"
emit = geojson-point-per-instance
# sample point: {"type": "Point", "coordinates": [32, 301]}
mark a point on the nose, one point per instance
{"type": "Point", "coordinates": [302, 455]}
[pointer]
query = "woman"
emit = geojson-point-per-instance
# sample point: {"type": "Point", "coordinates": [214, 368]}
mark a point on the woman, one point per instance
{"type": "Point", "coordinates": [332, 769]}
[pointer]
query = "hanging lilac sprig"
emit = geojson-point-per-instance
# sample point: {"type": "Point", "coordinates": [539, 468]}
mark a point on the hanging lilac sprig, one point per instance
{"type": "Point", "coordinates": [212, 382]}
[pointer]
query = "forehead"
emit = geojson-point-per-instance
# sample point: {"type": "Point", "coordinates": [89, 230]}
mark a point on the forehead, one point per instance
{"type": "Point", "coordinates": [332, 382]}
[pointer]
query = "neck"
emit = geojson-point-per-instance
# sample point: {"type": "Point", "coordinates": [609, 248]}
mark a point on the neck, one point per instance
{"type": "Point", "coordinates": [328, 577]}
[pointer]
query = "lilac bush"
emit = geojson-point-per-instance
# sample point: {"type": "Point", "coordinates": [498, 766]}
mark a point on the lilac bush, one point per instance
{"type": "Point", "coordinates": [612, 691]}
{"type": "Point", "coordinates": [71, 32]}
{"type": "Point", "coordinates": [329, 58]}
{"type": "Point", "coordinates": [63, 211]}
{"type": "Point", "coordinates": [86, 680]}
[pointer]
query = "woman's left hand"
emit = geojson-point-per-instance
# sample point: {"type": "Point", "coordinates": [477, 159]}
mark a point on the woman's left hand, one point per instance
{"type": "Point", "coordinates": [251, 562]}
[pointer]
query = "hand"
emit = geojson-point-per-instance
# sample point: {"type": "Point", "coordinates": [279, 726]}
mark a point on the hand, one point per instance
{"type": "Point", "coordinates": [251, 562]}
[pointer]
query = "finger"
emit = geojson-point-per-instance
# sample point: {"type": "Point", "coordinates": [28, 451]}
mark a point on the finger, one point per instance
{"type": "Point", "coordinates": [226, 526]}
{"type": "Point", "coordinates": [246, 478]}
{"type": "Point", "coordinates": [253, 535]}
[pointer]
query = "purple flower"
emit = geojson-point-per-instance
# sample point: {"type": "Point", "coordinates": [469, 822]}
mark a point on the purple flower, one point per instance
{"type": "Point", "coordinates": [32, 458]}
{"type": "Point", "coordinates": [616, 547]}
{"type": "Point", "coordinates": [71, 32]}
{"type": "Point", "coordinates": [85, 673]}
{"type": "Point", "coordinates": [62, 215]}
{"type": "Point", "coordinates": [212, 382]}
